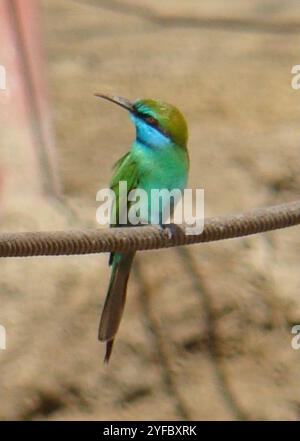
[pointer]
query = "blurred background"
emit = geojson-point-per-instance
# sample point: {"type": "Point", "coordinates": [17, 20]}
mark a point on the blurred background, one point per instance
{"type": "Point", "coordinates": [207, 329]}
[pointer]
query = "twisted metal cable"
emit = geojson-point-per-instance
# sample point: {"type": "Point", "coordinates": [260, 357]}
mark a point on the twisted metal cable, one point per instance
{"type": "Point", "coordinates": [54, 243]}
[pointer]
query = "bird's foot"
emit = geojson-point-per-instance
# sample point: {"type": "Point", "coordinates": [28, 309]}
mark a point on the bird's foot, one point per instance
{"type": "Point", "coordinates": [171, 229]}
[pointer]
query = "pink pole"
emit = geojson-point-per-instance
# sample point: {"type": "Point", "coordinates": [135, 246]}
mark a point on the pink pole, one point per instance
{"type": "Point", "coordinates": [27, 149]}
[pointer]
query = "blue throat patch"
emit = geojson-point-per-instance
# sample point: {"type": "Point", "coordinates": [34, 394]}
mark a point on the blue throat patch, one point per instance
{"type": "Point", "coordinates": [148, 135]}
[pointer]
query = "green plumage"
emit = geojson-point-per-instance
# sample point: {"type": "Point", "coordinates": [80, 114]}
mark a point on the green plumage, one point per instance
{"type": "Point", "coordinates": [158, 159]}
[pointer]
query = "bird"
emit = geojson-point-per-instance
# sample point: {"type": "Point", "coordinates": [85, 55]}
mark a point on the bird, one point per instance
{"type": "Point", "coordinates": [158, 159]}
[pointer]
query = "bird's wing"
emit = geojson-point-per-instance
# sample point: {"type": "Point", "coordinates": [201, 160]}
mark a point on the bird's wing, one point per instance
{"type": "Point", "coordinates": [125, 169]}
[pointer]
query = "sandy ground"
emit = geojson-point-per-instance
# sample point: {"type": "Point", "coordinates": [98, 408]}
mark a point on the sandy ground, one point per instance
{"type": "Point", "coordinates": [207, 329]}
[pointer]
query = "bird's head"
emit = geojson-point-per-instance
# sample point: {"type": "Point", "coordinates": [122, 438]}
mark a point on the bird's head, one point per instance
{"type": "Point", "coordinates": [157, 123]}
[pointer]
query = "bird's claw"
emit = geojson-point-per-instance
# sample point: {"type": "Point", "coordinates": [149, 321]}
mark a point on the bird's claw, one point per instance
{"type": "Point", "coordinates": [171, 229]}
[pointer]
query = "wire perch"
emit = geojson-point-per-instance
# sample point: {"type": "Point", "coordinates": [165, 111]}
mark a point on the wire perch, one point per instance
{"type": "Point", "coordinates": [55, 243]}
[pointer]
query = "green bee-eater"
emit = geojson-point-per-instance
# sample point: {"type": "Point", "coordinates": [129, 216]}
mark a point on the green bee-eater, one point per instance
{"type": "Point", "coordinates": [158, 159]}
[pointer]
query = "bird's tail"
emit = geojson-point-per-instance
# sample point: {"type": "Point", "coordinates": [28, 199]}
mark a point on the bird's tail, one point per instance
{"type": "Point", "coordinates": [115, 300]}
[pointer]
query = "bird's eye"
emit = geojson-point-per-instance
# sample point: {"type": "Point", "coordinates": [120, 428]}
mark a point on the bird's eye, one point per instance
{"type": "Point", "coordinates": [150, 120]}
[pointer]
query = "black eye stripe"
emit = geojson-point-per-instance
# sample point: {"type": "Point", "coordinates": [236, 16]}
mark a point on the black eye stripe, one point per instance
{"type": "Point", "coordinates": [152, 121]}
{"type": "Point", "coordinates": [148, 118]}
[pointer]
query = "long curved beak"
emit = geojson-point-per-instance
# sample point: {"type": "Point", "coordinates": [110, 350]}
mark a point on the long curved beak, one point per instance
{"type": "Point", "coordinates": [123, 102]}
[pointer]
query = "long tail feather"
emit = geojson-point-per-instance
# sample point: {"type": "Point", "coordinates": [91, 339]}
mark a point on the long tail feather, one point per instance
{"type": "Point", "coordinates": [115, 300]}
{"type": "Point", "coordinates": [109, 348]}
